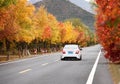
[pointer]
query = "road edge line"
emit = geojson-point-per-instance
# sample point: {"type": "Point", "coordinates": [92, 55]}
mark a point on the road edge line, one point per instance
{"type": "Point", "coordinates": [25, 59]}
{"type": "Point", "coordinates": [92, 73]}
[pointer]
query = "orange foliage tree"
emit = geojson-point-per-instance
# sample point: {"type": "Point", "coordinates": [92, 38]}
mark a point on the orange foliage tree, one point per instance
{"type": "Point", "coordinates": [15, 22]}
{"type": "Point", "coordinates": [8, 26]}
{"type": "Point", "coordinates": [7, 19]}
{"type": "Point", "coordinates": [21, 24]}
{"type": "Point", "coordinates": [46, 33]}
{"type": "Point", "coordinates": [4, 13]}
{"type": "Point", "coordinates": [108, 27]}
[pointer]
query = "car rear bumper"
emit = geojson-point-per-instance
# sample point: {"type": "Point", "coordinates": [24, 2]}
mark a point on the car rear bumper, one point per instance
{"type": "Point", "coordinates": [70, 56]}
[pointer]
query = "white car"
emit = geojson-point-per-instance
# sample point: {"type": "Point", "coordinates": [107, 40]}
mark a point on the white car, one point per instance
{"type": "Point", "coordinates": [71, 51]}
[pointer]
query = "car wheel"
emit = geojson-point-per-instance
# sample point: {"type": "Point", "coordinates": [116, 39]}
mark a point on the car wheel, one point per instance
{"type": "Point", "coordinates": [62, 58]}
{"type": "Point", "coordinates": [80, 57]}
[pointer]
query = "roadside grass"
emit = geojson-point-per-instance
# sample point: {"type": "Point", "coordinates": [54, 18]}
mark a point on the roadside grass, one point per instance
{"type": "Point", "coordinates": [115, 72]}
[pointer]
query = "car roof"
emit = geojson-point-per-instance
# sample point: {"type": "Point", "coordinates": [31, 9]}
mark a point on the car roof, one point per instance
{"type": "Point", "coordinates": [71, 45]}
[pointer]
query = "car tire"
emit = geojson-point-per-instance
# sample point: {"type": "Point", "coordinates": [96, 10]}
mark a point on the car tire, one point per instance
{"type": "Point", "coordinates": [62, 58]}
{"type": "Point", "coordinates": [80, 57]}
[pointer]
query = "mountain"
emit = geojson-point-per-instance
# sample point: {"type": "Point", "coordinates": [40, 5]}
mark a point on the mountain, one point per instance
{"type": "Point", "coordinates": [64, 9]}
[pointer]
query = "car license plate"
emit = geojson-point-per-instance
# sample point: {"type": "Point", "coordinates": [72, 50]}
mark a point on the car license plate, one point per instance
{"type": "Point", "coordinates": [70, 52]}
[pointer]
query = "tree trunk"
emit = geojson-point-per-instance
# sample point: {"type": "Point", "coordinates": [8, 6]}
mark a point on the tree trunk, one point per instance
{"type": "Point", "coordinates": [7, 44]}
{"type": "Point", "coordinates": [25, 50]}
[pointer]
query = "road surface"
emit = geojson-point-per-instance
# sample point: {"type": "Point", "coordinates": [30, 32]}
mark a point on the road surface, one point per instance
{"type": "Point", "coordinates": [49, 69]}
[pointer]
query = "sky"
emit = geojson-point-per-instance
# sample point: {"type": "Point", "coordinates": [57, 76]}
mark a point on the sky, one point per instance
{"type": "Point", "coordinates": [84, 4]}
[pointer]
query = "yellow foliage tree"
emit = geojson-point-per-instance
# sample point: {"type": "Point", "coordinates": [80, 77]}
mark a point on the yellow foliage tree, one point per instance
{"type": "Point", "coordinates": [24, 12]}
{"type": "Point", "coordinates": [70, 35]}
{"type": "Point", "coordinates": [40, 21]}
{"type": "Point", "coordinates": [53, 23]}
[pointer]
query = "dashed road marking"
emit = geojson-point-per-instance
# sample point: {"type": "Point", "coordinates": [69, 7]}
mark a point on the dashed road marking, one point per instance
{"type": "Point", "coordinates": [56, 60]}
{"type": "Point", "coordinates": [92, 73]}
{"type": "Point", "coordinates": [44, 64]}
{"type": "Point", "coordinates": [24, 71]}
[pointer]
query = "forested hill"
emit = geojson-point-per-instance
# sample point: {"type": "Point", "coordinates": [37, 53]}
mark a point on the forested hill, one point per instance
{"type": "Point", "coordinates": [64, 9]}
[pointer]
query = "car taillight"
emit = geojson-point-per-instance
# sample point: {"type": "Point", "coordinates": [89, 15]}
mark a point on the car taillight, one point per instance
{"type": "Point", "coordinates": [63, 52]}
{"type": "Point", "coordinates": [77, 52]}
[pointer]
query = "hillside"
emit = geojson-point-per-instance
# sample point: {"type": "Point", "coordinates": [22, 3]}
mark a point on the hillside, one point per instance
{"type": "Point", "coordinates": [64, 9]}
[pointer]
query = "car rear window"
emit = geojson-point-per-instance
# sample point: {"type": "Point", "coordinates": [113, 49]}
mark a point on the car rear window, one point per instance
{"type": "Point", "coordinates": [71, 47]}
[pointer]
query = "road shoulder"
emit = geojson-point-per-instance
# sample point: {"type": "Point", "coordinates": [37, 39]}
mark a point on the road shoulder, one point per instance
{"type": "Point", "coordinates": [103, 75]}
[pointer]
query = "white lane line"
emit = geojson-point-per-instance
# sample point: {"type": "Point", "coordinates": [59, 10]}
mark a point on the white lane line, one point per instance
{"type": "Point", "coordinates": [24, 71]}
{"type": "Point", "coordinates": [92, 73]}
{"type": "Point", "coordinates": [22, 60]}
{"type": "Point", "coordinates": [56, 60]}
{"type": "Point", "coordinates": [44, 64]}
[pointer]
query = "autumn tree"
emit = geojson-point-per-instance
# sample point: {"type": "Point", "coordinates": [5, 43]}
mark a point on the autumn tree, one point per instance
{"type": "Point", "coordinates": [68, 33]}
{"type": "Point", "coordinates": [53, 23]}
{"type": "Point", "coordinates": [24, 13]}
{"type": "Point", "coordinates": [5, 3]}
{"type": "Point", "coordinates": [86, 36]}
{"type": "Point", "coordinates": [16, 22]}
{"type": "Point", "coordinates": [8, 25]}
{"type": "Point", "coordinates": [4, 13]}
{"type": "Point", "coordinates": [108, 27]}
{"type": "Point", "coordinates": [22, 25]}
{"type": "Point", "coordinates": [46, 27]}
{"type": "Point", "coordinates": [40, 21]}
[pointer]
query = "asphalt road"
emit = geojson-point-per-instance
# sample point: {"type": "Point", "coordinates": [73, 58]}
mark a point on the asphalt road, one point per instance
{"type": "Point", "coordinates": [49, 69]}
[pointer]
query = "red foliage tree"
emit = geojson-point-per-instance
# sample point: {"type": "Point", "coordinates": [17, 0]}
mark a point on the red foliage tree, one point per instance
{"type": "Point", "coordinates": [108, 27]}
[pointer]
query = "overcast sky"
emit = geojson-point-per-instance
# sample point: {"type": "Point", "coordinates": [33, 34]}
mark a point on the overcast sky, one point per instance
{"type": "Point", "coordinates": [81, 3]}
